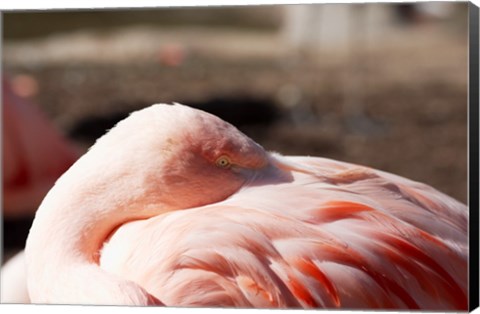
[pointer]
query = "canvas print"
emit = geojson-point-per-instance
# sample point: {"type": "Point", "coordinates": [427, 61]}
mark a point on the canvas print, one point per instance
{"type": "Point", "coordinates": [307, 156]}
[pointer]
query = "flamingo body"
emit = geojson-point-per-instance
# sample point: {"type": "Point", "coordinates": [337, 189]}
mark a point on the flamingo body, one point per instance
{"type": "Point", "coordinates": [188, 211]}
{"type": "Point", "coordinates": [364, 239]}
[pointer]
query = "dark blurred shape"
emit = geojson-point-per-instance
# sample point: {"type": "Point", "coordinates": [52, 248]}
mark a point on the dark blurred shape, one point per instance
{"type": "Point", "coordinates": [414, 13]}
{"type": "Point", "coordinates": [240, 111]}
{"type": "Point", "coordinates": [15, 232]}
{"type": "Point", "coordinates": [406, 12]}
{"type": "Point", "coordinates": [91, 128]}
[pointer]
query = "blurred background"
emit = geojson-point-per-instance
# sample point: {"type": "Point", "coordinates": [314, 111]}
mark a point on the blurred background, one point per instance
{"type": "Point", "coordinates": [382, 85]}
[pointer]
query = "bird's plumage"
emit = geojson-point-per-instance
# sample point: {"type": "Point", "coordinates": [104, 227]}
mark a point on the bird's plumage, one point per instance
{"type": "Point", "coordinates": [176, 207]}
{"type": "Point", "coordinates": [358, 238]}
{"type": "Point", "coordinates": [13, 280]}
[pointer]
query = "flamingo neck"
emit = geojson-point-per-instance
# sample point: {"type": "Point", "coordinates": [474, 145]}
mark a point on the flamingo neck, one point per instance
{"type": "Point", "coordinates": [62, 249]}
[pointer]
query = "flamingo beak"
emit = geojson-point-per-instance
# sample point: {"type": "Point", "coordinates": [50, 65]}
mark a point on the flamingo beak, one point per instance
{"type": "Point", "coordinates": [271, 173]}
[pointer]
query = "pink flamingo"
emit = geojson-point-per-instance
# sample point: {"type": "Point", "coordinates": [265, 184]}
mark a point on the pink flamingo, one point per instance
{"type": "Point", "coordinates": [176, 207]}
{"type": "Point", "coordinates": [34, 154]}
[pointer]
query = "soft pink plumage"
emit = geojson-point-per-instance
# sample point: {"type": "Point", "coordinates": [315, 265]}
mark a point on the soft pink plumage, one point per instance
{"type": "Point", "coordinates": [176, 207]}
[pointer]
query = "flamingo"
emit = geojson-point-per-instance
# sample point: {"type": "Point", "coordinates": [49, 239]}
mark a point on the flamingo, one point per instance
{"type": "Point", "coordinates": [34, 154]}
{"type": "Point", "coordinates": [175, 207]}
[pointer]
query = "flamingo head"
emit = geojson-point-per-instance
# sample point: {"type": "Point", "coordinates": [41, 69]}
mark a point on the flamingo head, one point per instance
{"type": "Point", "coordinates": [178, 157]}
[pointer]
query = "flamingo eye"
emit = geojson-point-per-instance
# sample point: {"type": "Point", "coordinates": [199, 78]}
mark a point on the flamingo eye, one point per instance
{"type": "Point", "coordinates": [223, 162]}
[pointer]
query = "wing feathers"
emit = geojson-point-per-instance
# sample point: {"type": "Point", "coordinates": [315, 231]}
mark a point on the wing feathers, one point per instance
{"type": "Point", "coordinates": [363, 238]}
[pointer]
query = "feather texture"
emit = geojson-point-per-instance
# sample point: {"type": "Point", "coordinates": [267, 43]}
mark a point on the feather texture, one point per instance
{"type": "Point", "coordinates": [177, 207]}
{"type": "Point", "coordinates": [358, 238]}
